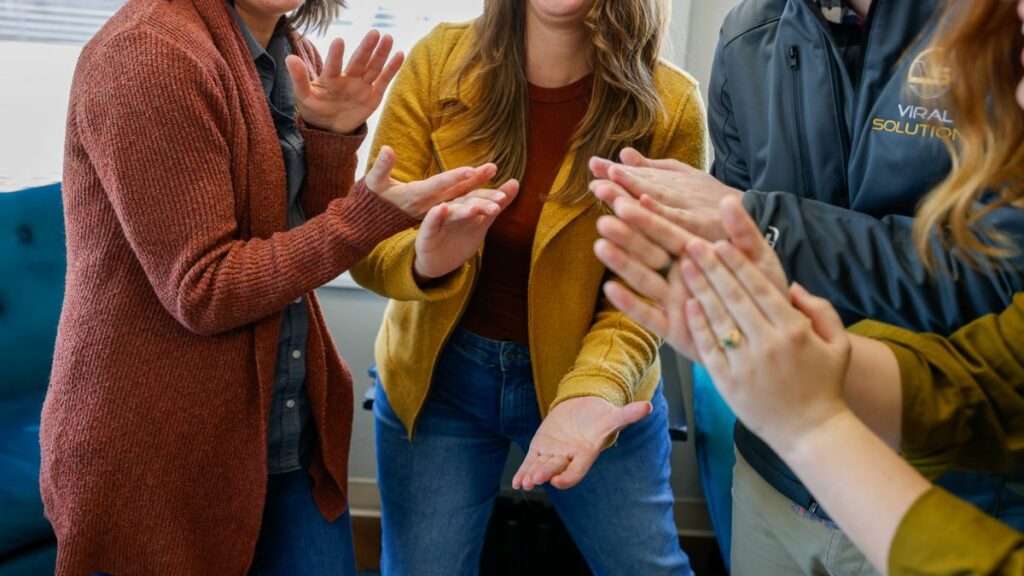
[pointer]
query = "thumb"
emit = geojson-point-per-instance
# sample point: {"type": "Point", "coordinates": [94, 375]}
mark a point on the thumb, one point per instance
{"type": "Point", "coordinates": [300, 77]}
{"type": "Point", "coordinates": [378, 178]}
{"type": "Point", "coordinates": [632, 413]}
{"type": "Point", "coordinates": [823, 316]}
{"type": "Point", "coordinates": [434, 220]}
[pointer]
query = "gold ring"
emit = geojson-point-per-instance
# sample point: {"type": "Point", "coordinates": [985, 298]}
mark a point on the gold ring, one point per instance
{"type": "Point", "coordinates": [732, 340]}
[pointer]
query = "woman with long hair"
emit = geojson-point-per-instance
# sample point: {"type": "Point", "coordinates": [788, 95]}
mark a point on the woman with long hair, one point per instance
{"type": "Point", "coordinates": [509, 340]}
{"type": "Point", "coordinates": [198, 417]}
{"type": "Point", "coordinates": [943, 403]}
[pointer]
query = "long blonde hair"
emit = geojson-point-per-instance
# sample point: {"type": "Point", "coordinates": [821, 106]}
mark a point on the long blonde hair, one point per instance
{"type": "Point", "coordinates": [981, 42]}
{"type": "Point", "coordinates": [624, 108]}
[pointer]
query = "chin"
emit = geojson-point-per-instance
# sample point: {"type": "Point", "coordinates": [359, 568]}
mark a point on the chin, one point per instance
{"type": "Point", "coordinates": [562, 8]}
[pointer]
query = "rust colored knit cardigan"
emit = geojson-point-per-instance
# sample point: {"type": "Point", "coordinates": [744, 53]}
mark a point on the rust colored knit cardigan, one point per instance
{"type": "Point", "coordinates": [179, 264]}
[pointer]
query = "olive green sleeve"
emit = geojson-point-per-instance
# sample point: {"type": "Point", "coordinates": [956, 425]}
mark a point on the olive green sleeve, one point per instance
{"type": "Point", "coordinates": [963, 397]}
{"type": "Point", "coordinates": [944, 535]}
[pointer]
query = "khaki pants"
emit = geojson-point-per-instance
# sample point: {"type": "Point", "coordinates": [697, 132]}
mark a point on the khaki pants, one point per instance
{"type": "Point", "coordinates": [770, 537]}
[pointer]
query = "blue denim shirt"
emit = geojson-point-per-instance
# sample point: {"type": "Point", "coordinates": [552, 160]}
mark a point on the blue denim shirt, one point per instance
{"type": "Point", "coordinates": [290, 432]}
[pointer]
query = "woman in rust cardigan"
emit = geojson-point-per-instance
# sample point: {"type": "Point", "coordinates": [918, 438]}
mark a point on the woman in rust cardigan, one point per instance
{"type": "Point", "coordinates": [198, 418]}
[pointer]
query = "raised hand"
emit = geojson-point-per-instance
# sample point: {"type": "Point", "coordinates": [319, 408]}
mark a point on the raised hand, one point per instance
{"type": "Point", "coordinates": [341, 101]}
{"type": "Point", "coordinates": [454, 231]}
{"type": "Point", "coordinates": [799, 337]}
{"type": "Point", "coordinates": [417, 198]}
{"type": "Point", "coordinates": [571, 438]}
{"type": "Point", "coordinates": [645, 250]}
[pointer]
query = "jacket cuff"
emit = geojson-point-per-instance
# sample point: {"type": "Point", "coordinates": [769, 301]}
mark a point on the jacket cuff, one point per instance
{"type": "Point", "coordinates": [941, 534]}
{"type": "Point", "coordinates": [368, 218]}
{"type": "Point", "coordinates": [400, 282]}
{"type": "Point", "coordinates": [331, 152]}
{"type": "Point", "coordinates": [917, 444]}
{"type": "Point", "coordinates": [591, 385]}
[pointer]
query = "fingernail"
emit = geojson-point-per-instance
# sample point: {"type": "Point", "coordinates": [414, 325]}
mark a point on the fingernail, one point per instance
{"type": "Point", "coordinates": [501, 196]}
{"type": "Point", "coordinates": [690, 271]}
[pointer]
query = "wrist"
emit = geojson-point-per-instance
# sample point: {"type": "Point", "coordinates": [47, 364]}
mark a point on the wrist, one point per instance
{"type": "Point", "coordinates": [805, 444]}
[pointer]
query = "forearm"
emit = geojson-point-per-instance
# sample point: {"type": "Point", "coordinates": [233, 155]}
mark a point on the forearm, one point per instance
{"type": "Point", "coordinates": [865, 486]}
{"type": "Point", "coordinates": [873, 388]}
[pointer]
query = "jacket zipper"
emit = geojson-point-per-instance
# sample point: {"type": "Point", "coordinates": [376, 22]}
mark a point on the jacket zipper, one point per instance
{"type": "Point", "coordinates": [793, 57]}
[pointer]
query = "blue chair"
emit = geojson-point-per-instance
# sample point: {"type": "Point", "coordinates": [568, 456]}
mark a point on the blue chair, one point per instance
{"type": "Point", "coordinates": [32, 268]}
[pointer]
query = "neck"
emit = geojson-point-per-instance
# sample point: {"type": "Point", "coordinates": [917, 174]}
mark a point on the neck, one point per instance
{"type": "Point", "coordinates": [861, 7]}
{"type": "Point", "coordinates": [261, 24]}
{"type": "Point", "coordinates": [557, 53]}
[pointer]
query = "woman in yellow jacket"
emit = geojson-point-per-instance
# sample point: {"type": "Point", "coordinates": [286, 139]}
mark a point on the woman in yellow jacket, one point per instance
{"type": "Point", "coordinates": [513, 342]}
{"type": "Point", "coordinates": [942, 403]}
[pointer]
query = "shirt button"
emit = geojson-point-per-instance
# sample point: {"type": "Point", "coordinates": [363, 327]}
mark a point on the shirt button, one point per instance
{"type": "Point", "coordinates": [296, 354]}
{"type": "Point", "coordinates": [298, 300]}
{"type": "Point", "coordinates": [290, 403]}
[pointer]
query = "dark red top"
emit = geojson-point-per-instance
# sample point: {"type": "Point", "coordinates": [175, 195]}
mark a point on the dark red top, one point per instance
{"type": "Point", "coordinates": [498, 309]}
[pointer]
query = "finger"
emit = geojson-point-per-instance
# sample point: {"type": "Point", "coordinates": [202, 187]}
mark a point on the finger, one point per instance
{"type": "Point", "coordinates": [434, 220]}
{"type": "Point", "coordinates": [379, 58]}
{"type": "Point", "coordinates": [548, 468]}
{"type": "Point", "coordinates": [361, 57]}
{"type": "Point", "coordinates": [658, 229]}
{"type": "Point", "coordinates": [725, 301]}
{"type": "Point", "coordinates": [721, 321]}
{"type": "Point", "coordinates": [335, 57]}
{"type": "Point", "coordinates": [576, 471]}
{"type": "Point", "coordinates": [677, 216]}
{"type": "Point", "coordinates": [378, 178]}
{"type": "Point", "coordinates": [299, 73]}
{"type": "Point", "coordinates": [457, 182]}
{"type": "Point", "coordinates": [823, 315]}
{"type": "Point", "coordinates": [607, 191]}
{"type": "Point", "coordinates": [630, 179]}
{"type": "Point", "coordinates": [704, 339]}
{"type": "Point", "coordinates": [517, 479]}
{"type": "Point", "coordinates": [642, 312]}
{"type": "Point", "coordinates": [631, 414]}
{"type": "Point", "coordinates": [482, 205]}
{"type": "Point", "coordinates": [645, 281]}
{"type": "Point", "coordinates": [389, 72]}
{"type": "Point", "coordinates": [599, 167]}
{"type": "Point", "coordinates": [529, 471]}
{"type": "Point", "coordinates": [758, 289]}
{"type": "Point", "coordinates": [634, 243]}
{"type": "Point", "coordinates": [747, 237]}
{"type": "Point", "coordinates": [460, 181]}
{"type": "Point", "coordinates": [633, 157]}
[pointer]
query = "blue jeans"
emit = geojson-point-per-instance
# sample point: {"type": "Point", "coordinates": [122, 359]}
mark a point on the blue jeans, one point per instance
{"type": "Point", "coordinates": [295, 538]}
{"type": "Point", "coordinates": [438, 490]}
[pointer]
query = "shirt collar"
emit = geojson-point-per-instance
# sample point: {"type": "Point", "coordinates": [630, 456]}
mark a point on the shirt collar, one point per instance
{"type": "Point", "coordinates": [838, 12]}
{"type": "Point", "coordinates": [256, 50]}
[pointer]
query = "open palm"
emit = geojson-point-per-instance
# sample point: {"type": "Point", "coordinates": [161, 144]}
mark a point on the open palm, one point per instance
{"type": "Point", "coordinates": [571, 438]}
{"type": "Point", "coordinates": [453, 232]}
{"type": "Point", "coordinates": [341, 101]}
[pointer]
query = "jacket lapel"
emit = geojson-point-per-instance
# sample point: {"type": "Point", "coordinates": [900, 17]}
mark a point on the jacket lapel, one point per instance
{"type": "Point", "coordinates": [451, 152]}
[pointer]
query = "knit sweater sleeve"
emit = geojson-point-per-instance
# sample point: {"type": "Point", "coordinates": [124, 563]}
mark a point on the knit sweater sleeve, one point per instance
{"type": "Point", "coordinates": [154, 121]}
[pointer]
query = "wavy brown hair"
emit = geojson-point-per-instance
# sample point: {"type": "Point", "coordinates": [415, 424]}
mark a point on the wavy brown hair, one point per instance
{"type": "Point", "coordinates": [981, 42]}
{"type": "Point", "coordinates": [626, 36]}
{"type": "Point", "coordinates": [316, 15]}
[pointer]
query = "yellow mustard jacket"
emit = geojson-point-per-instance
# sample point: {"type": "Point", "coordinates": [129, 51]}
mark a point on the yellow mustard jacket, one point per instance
{"type": "Point", "coordinates": [963, 408]}
{"type": "Point", "coordinates": [579, 344]}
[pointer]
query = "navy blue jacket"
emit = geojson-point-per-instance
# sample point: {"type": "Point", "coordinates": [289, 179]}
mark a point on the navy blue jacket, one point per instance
{"type": "Point", "coordinates": [834, 174]}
